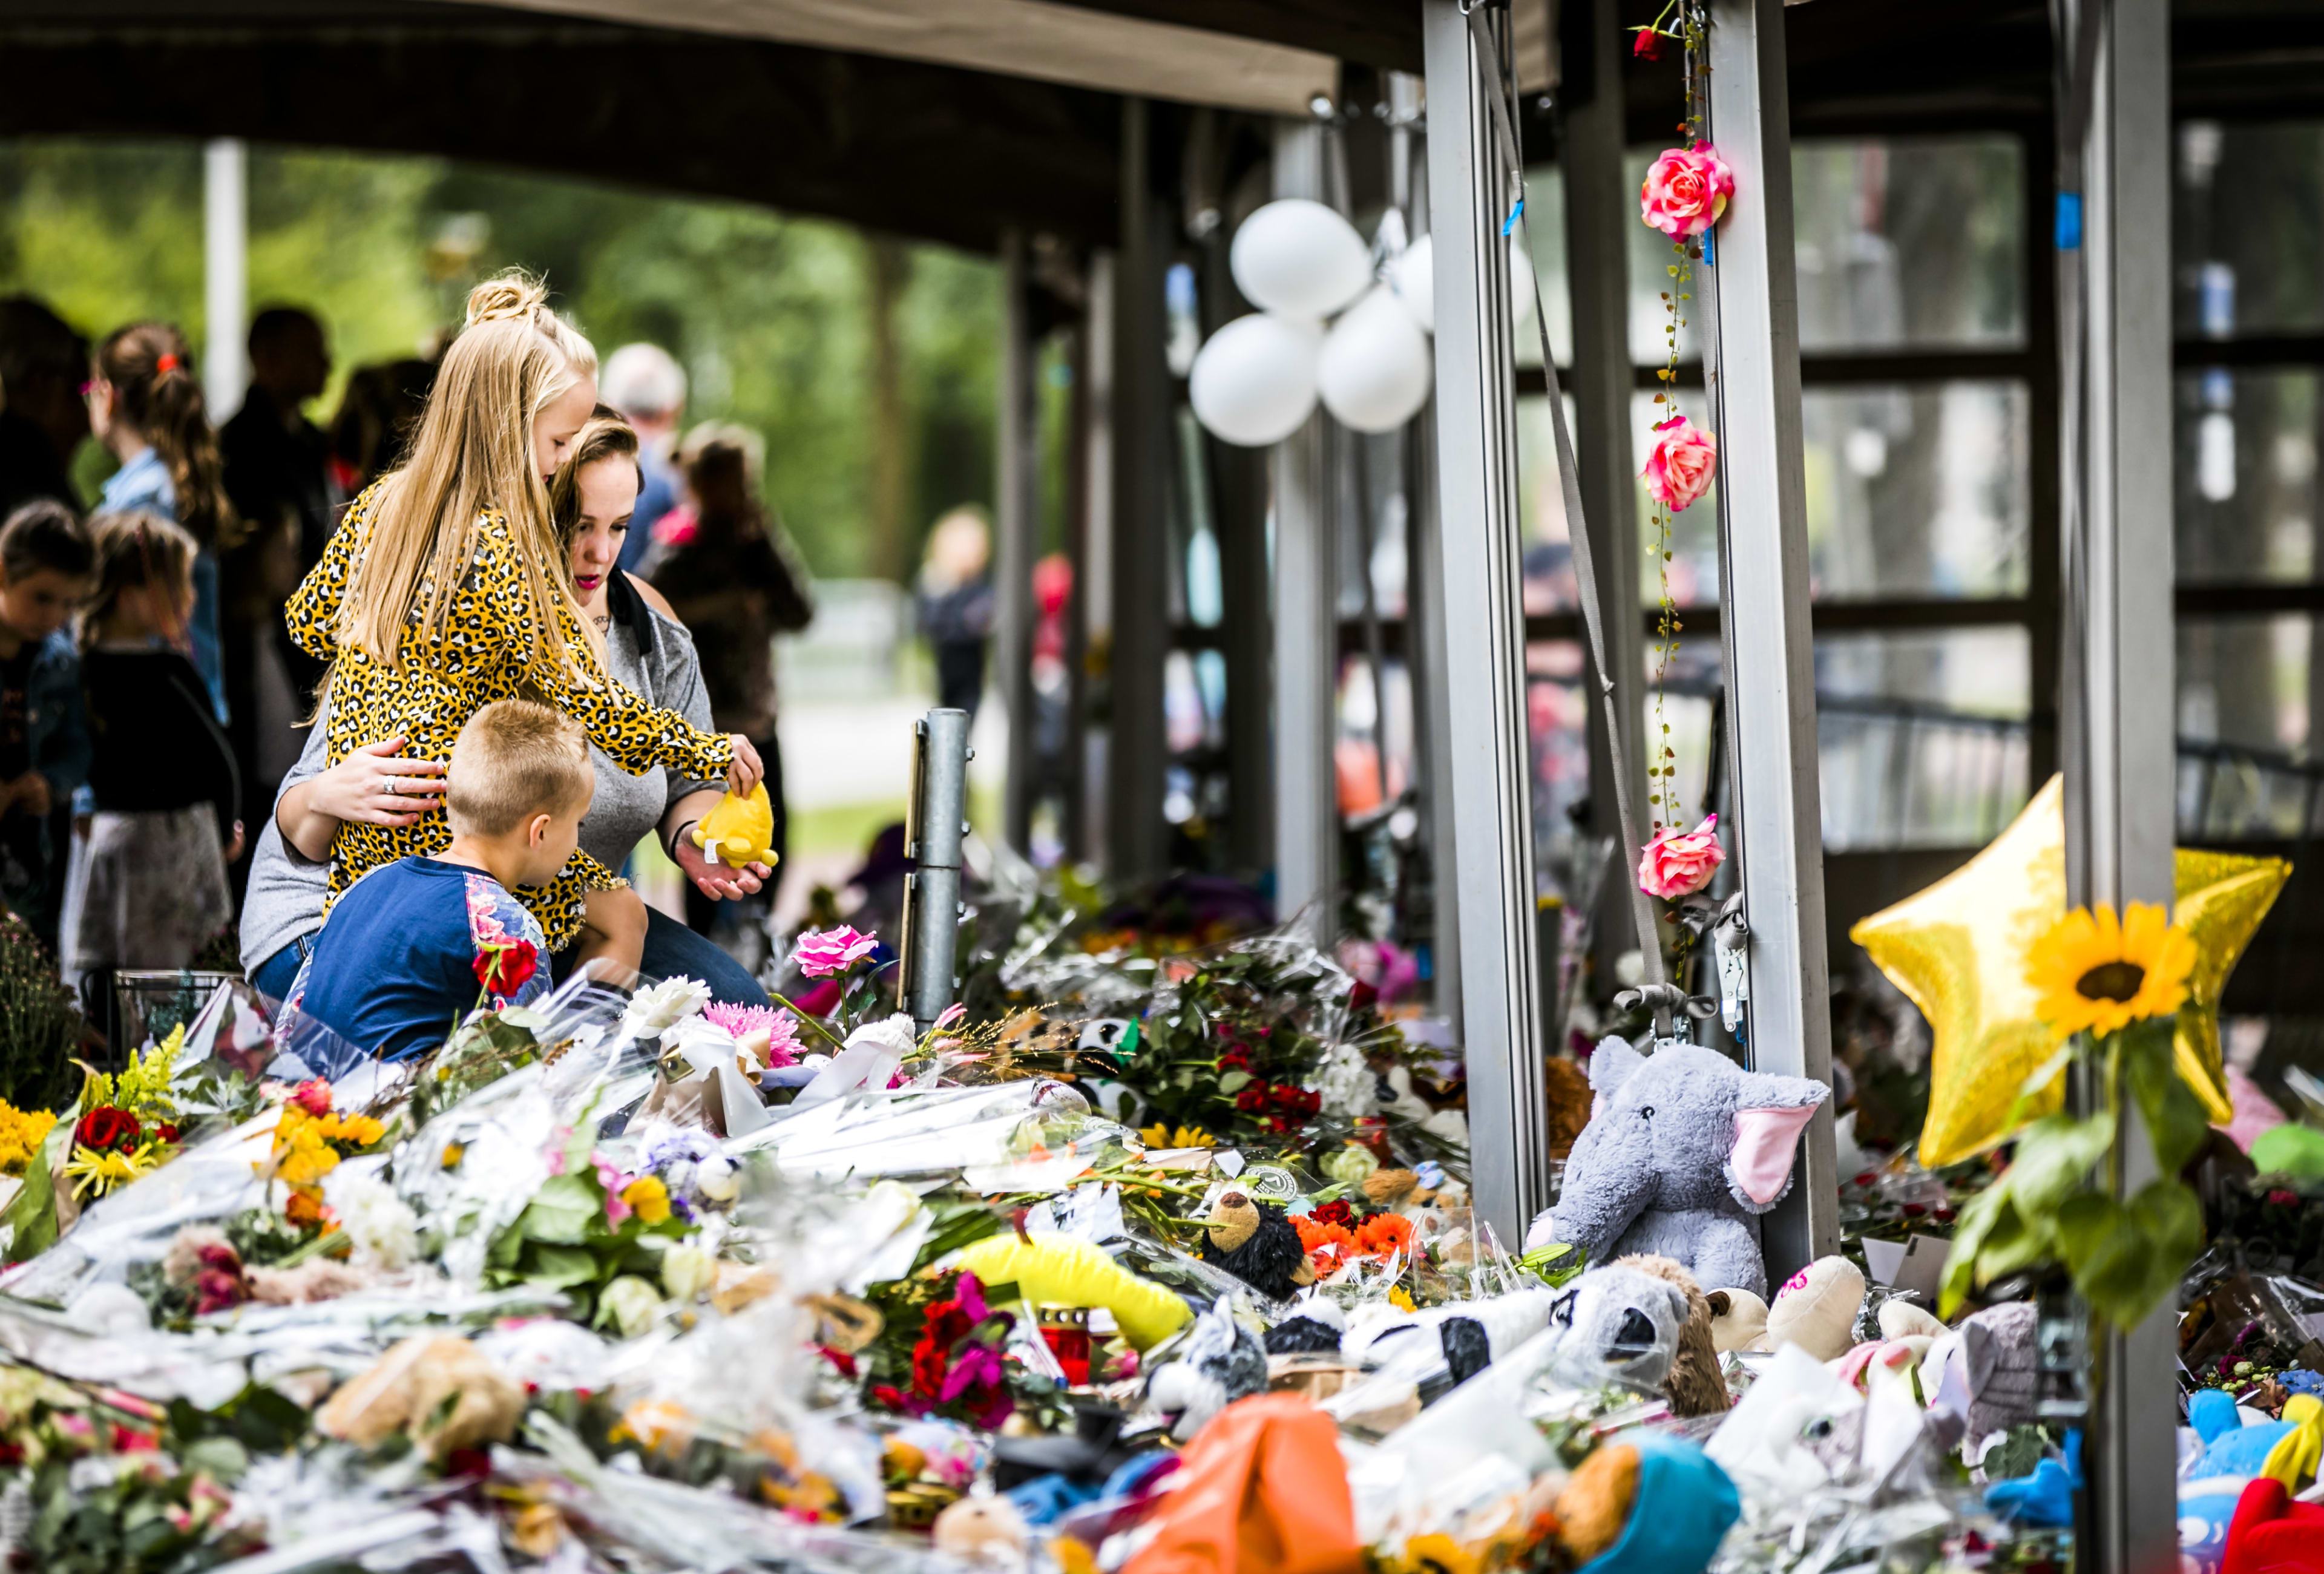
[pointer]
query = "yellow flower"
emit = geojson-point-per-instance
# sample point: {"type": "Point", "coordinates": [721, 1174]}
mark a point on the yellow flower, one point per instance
{"type": "Point", "coordinates": [1400, 1298]}
{"type": "Point", "coordinates": [103, 1173]}
{"type": "Point", "coordinates": [1434, 1553]}
{"type": "Point", "coordinates": [1159, 1135]}
{"type": "Point", "coordinates": [22, 1132]}
{"type": "Point", "coordinates": [648, 1198]}
{"type": "Point", "coordinates": [2099, 976]}
{"type": "Point", "coordinates": [356, 1131]}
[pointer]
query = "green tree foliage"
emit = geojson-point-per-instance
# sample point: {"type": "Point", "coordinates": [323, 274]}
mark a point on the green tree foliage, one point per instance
{"type": "Point", "coordinates": [769, 313]}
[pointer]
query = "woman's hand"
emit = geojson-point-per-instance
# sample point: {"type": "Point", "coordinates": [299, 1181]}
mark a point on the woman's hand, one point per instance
{"type": "Point", "coordinates": [714, 878]}
{"type": "Point", "coordinates": [374, 786]}
{"type": "Point", "coordinates": [742, 777]}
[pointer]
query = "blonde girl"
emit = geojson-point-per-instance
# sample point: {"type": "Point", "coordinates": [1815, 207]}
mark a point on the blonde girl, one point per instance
{"type": "Point", "coordinates": [445, 590]}
{"type": "Point", "coordinates": [147, 887]}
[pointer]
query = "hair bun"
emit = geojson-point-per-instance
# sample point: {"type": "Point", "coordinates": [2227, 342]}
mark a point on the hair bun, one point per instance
{"type": "Point", "coordinates": [513, 294]}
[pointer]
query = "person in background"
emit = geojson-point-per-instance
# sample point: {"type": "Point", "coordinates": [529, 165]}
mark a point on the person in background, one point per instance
{"type": "Point", "coordinates": [378, 411]}
{"type": "Point", "coordinates": [956, 605]}
{"type": "Point", "coordinates": [148, 885]}
{"type": "Point", "coordinates": [735, 583]}
{"type": "Point", "coordinates": [145, 404]}
{"type": "Point", "coordinates": [647, 385]}
{"type": "Point", "coordinates": [277, 478]}
{"type": "Point", "coordinates": [46, 564]}
{"type": "Point", "coordinates": [42, 364]}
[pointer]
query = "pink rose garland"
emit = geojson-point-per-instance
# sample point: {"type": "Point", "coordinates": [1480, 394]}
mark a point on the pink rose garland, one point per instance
{"type": "Point", "coordinates": [1680, 469]}
{"type": "Point", "coordinates": [1679, 863]}
{"type": "Point", "coordinates": [1686, 190]}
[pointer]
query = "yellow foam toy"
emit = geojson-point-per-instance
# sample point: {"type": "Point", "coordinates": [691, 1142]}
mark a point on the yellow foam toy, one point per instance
{"type": "Point", "coordinates": [740, 832]}
{"type": "Point", "coordinates": [1072, 1272]}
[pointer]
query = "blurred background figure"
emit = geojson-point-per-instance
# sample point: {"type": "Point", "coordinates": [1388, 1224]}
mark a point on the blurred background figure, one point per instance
{"type": "Point", "coordinates": [42, 364]}
{"type": "Point", "coordinates": [278, 476]}
{"type": "Point", "coordinates": [376, 413]}
{"type": "Point", "coordinates": [735, 583]}
{"type": "Point", "coordinates": [956, 605]}
{"type": "Point", "coordinates": [646, 383]}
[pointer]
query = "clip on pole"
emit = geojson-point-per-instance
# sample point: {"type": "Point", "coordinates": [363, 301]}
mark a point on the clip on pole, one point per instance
{"type": "Point", "coordinates": [933, 828]}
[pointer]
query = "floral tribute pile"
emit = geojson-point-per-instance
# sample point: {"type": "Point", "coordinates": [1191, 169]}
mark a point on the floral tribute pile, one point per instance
{"type": "Point", "coordinates": [637, 1282]}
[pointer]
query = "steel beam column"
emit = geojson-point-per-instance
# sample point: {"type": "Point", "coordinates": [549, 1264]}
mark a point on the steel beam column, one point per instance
{"type": "Point", "coordinates": [1016, 425]}
{"type": "Point", "coordinates": [2120, 687]}
{"type": "Point", "coordinates": [1482, 636]}
{"type": "Point", "coordinates": [1769, 649]}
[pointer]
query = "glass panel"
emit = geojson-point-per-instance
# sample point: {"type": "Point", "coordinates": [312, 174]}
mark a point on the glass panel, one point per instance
{"type": "Point", "coordinates": [1922, 737]}
{"type": "Point", "coordinates": [2249, 222]}
{"type": "Point", "coordinates": [1909, 240]}
{"type": "Point", "coordinates": [2248, 682]}
{"type": "Point", "coordinates": [1545, 219]}
{"type": "Point", "coordinates": [1917, 491]}
{"type": "Point", "coordinates": [2246, 475]}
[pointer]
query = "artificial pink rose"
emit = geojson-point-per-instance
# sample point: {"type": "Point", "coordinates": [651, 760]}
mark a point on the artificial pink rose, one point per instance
{"type": "Point", "coordinates": [821, 954]}
{"type": "Point", "coordinates": [1679, 863]}
{"type": "Point", "coordinates": [1686, 190]}
{"type": "Point", "coordinates": [1681, 467]}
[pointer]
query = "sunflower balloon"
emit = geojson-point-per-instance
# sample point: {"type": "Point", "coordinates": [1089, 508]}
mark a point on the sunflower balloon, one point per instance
{"type": "Point", "coordinates": [1960, 951]}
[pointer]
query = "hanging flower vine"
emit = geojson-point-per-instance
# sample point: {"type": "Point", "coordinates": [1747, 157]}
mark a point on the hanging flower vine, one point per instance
{"type": "Point", "coordinates": [1686, 191]}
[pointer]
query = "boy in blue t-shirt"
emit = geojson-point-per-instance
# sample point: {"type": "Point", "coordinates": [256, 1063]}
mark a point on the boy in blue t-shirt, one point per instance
{"type": "Point", "coordinates": [407, 950]}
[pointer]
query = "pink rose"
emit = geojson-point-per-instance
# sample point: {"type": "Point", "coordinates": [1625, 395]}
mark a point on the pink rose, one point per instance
{"type": "Point", "coordinates": [822, 954]}
{"type": "Point", "coordinates": [1686, 190]}
{"type": "Point", "coordinates": [1680, 469]}
{"type": "Point", "coordinates": [1680, 863]}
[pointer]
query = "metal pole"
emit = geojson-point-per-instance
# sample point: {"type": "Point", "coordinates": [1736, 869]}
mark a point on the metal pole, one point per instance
{"type": "Point", "coordinates": [1013, 611]}
{"type": "Point", "coordinates": [1600, 212]}
{"type": "Point", "coordinates": [1483, 638]}
{"type": "Point", "coordinates": [937, 820]}
{"type": "Point", "coordinates": [1755, 386]}
{"type": "Point", "coordinates": [226, 276]}
{"type": "Point", "coordinates": [1307, 623]}
{"type": "Point", "coordinates": [2120, 765]}
{"type": "Point", "coordinates": [1136, 755]}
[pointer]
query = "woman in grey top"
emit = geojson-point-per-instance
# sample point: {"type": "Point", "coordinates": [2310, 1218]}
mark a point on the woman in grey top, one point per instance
{"type": "Point", "coordinates": [645, 648]}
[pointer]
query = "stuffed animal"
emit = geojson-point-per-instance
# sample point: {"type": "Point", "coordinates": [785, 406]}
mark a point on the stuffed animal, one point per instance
{"type": "Point", "coordinates": [1627, 1319]}
{"type": "Point", "coordinates": [1425, 1195]}
{"type": "Point", "coordinates": [1315, 1327]}
{"type": "Point", "coordinates": [2271, 1535]}
{"type": "Point", "coordinates": [2236, 1455]}
{"type": "Point", "coordinates": [1816, 1308]}
{"type": "Point", "coordinates": [986, 1531]}
{"type": "Point", "coordinates": [1695, 1385]}
{"type": "Point", "coordinates": [1648, 1505]}
{"type": "Point", "coordinates": [740, 832]}
{"type": "Point", "coordinates": [1258, 1244]}
{"type": "Point", "coordinates": [1220, 1362]}
{"type": "Point", "coordinates": [1684, 1151]}
{"type": "Point", "coordinates": [1467, 1335]}
{"type": "Point", "coordinates": [1739, 1321]}
{"type": "Point", "coordinates": [1986, 1371]}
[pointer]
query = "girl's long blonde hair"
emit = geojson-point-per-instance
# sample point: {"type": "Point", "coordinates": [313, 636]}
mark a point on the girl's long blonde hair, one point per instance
{"type": "Point", "coordinates": [473, 452]}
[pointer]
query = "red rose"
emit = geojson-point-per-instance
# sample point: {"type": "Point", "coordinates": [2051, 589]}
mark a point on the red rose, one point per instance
{"type": "Point", "coordinates": [106, 1129]}
{"type": "Point", "coordinates": [503, 969]}
{"type": "Point", "coordinates": [1649, 46]}
{"type": "Point", "coordinates": [166, 1132]}
{"type": "Point", "coordinates": [314, 1097]}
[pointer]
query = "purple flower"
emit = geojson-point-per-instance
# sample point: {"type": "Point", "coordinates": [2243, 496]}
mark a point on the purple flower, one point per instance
{"type": "Point", "coordinates": [823, 952]}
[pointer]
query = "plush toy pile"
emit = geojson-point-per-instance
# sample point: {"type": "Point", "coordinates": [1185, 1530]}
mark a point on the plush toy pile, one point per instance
{"type": "Point", "coordinates": [1155, 1262]}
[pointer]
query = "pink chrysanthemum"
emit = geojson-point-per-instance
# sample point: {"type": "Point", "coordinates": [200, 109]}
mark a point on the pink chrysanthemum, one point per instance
{"type": "Point", "coordinates": [783, 1047]}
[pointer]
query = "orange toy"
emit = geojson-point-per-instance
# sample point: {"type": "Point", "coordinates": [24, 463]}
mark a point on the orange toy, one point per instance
{"type": "Point", "coordinates": [1263, 1491]}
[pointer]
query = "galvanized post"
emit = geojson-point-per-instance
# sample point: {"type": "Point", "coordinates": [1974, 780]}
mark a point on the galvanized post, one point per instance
{"type": "Point", "coordinates": [1481, 636]}
{"type": "Point", "coordinates": [934, 827]}
{"type": "Point", "coordinates": [1771, 707]}
{"type": "Point", "coordinates": [2119, 750]}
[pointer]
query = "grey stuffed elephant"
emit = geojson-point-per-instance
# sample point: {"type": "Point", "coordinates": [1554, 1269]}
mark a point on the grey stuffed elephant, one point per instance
{"type": "Point", "coordinates": [1684, 1151]}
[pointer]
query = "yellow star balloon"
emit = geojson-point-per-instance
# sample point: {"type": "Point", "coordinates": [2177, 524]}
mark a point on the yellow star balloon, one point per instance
{"type": "Point", "coordinates": [1958, 952]}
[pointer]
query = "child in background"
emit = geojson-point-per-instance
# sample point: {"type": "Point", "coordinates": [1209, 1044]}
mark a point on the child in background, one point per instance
{"type": "Point", "coordinates": [145, 404]}
{"type": "Point", "coordinates": [148, 884]}
{"type": "Point", "coordinates": [45, 563]}
{"type": "Point", "coordinates": [412, 945]}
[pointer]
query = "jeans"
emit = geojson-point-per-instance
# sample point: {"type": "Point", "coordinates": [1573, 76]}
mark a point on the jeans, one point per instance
{"type": "Point", "coordinates": [273, 977]}
{"type": "Point", "coordinates": [674, 951]}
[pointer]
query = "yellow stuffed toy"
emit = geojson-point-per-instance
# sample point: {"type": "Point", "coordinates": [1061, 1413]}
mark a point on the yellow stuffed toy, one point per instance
{"type": "Point", "coordinates": [739, 831]}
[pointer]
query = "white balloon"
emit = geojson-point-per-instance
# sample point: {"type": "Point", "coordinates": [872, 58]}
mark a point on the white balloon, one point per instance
{"type": "Point", "coordinates": [1254, 381]}
{"type": "Point", "coordinates": [1374, 371]}
{"type": "Point", "coordinates": [1299, 258]}
{"type": "Point", "coordinates": [1412, 277]}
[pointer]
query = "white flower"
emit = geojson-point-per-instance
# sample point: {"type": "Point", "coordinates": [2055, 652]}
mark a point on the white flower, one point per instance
{"type": "Point", "coordinates": [687, 1270]}
{"type": "Point", "coordinates": [380, 1225]}
{"type": "Point", "coordinates": [655, 1011]}
{"type": "Point", "coordinates": [1347, 1084]}
{"type": "Point", "coordinates": [896, 1033]}
{"type": "Point", "coordinates": [633, 1304]}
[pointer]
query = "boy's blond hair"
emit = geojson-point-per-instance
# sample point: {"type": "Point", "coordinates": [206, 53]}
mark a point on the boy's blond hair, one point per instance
{"type": "Point", "coordinates": [515, 759]}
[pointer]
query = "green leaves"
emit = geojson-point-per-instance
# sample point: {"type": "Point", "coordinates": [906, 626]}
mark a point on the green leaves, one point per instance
{"type": "Point", "coordinates": [2126, 1257]}
{"type": "Point", "coordinates": [562, 1211]}
{"type": "Point", "coordinates": [2012, 1225]}
{"type": "Point", "coordinates": [2175, 1122]}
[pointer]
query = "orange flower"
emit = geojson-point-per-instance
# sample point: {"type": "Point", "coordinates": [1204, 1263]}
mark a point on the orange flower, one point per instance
{"type": "Point", "coordinates": [1384, 1233]}
{"type": "Point", "coordinates": [305, 1207]}
{"type": "Point", "coordinates": [1328, 1245]}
